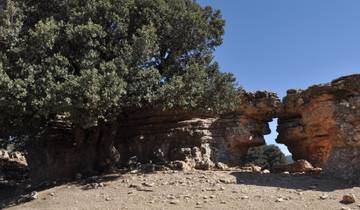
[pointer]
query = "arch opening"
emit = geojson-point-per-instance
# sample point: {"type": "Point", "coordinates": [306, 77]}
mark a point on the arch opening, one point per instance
{"type": "Point", "coordinates": [272, 153]}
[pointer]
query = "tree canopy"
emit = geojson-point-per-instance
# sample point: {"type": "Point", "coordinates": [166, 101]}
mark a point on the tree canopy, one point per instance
{"type": "Point", "coordinates": [92, 59]}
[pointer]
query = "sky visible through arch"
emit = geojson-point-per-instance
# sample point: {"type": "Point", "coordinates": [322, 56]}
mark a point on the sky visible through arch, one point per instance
{"type": "Point", "coordinates": [276, 45]}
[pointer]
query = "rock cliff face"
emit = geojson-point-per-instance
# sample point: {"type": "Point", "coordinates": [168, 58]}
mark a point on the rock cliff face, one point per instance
{"type": "Point", "coordinates": [322, 124]}
{"type": "Point", "coordinates": [199, 140]}
{"type": "Point", "coordinates": [62, 151]}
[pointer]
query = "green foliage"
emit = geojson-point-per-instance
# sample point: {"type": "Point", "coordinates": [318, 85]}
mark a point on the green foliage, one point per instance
{"type": "Point", "coordinates": [92, 59]}
{"type": "Point", "coordinates": [266, 156]}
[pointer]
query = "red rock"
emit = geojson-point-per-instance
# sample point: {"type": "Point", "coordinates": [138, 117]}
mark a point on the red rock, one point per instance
{"type": "Point", "coordinates": [296, 167]}
{"type": "Point", "coordinates": [322, 125]}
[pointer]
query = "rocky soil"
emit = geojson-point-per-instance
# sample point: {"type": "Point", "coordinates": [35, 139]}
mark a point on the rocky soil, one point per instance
{"type": "Point", "coordinates": [232, 189]}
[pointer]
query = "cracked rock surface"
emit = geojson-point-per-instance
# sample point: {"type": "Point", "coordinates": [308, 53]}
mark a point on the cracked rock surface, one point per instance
{"type": "Point", "coordinates": [322, 125]}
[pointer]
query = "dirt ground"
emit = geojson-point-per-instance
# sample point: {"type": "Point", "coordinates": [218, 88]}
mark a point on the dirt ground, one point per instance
{"type": "Point", "coordinates": [197, 190]}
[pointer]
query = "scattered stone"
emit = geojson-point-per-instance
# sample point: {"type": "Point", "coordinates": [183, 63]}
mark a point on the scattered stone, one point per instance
{"type": "Point", "coordinates": [223, 202]}
{"type": "Point", "coordinates": [221, 166]}
{"type": "Point", "coordinates": [266, 171]}
{"type": "Point", "coordinates": [108, 199]}
{"type": "Point", "coordinates": [316, 171]}
{"type": "Point", "coordinates": [171, 197]}
{"type": "Point", "coordinates": [33, 195]}
{"type": "Point", "coordinates": [187, 196]}
{"type": "Point", "coordinates": [345, 208]}
{"type": "Point", "coordinates": [134, 171]}
{"type": "Point", "coordinates": [256, 169]}
{"type": "Point", "coordinates": [299, 167]}
{"type": "Point", "coordinates": [279, 200]}
{"type": "Point", "coordinates": [251, 168]}
{"type": "Point", "coordinates": [244, 197]}
{"type": "Point", "coordinates": [180, 165]}
{"type": "Point", "coordinates": [148, 184]}
{"type": "Point", "coordinates": [348, 199]}
{"type": "Point", "coordinates": [324, 197]}
{"type": "Point", "coordinates": [95, 185]}
{"type": "Point", "coordinates": [226, 181]}
{"type": "Point", "coordinates": [144, 189]}
{"type": "Point", "coordinates": [133, 186]}
{"type": "Point", "coordinates": [174, 202]}
{"type": "Point", "coordinates": [26, 198]}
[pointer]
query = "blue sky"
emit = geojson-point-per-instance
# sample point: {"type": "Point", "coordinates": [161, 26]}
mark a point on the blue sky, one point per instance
{"type": "Point", "coordinates": [281, 44]}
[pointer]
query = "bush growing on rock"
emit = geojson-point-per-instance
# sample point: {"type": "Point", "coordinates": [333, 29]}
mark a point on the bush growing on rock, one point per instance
{"type": "Point", "coordinates": [266, 156]}
{"type": "Point", "coordinates": [90, 60]}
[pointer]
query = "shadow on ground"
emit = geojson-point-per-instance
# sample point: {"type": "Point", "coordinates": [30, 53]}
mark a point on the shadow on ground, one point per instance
{"type": "Point", "coordinates": [292, 181]}
{"type": "Point", "coordinates": [12, 196]}
{"type": "Point", "coordinates": [15, 195]}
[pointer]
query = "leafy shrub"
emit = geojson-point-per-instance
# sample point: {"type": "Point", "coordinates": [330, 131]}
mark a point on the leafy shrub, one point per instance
{"type": "Point", "coordinates": [266, 156]}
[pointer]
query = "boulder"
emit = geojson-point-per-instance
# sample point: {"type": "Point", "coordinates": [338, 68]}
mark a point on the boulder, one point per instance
{"type": "Point", "coordinates": [251, 168]}
{"type": "Point", "coordinates": [298, 166]}
{"type": "Point", "coordinates": [180, 165]}
{"type": "Point", "coordinates": [13, 167]}
{"type": "Point", "coordinates": [348, 199]}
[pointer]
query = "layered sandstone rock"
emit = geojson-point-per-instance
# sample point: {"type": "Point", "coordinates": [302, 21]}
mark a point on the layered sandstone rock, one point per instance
{"type": "Point", "coordinates": [13, 167]}
{"type": "Point", "coordinates": [63, 151]}
{"type": "Point", "coordinates": [199, 140]}
{"type": "Point", "coordinates": [323, 123]}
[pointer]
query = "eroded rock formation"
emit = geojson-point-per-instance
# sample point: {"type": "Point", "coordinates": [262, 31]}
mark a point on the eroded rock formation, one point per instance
{"type": "Point", "coordinates": [199, 140]}
{"type": "Point", "coordinates": [13, 168]}
{"type": "Point", "coordinates": [62, 151]}
{"type": "Point", "coordinates": [322, 125]}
